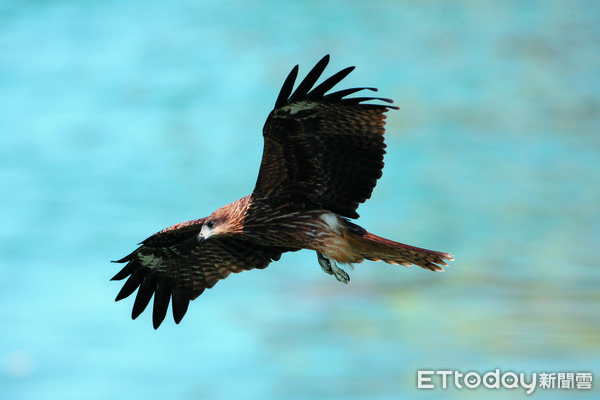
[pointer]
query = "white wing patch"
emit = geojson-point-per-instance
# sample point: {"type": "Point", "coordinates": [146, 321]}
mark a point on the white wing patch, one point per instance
{"type": "Point", "coordinates": [150, 260]}
{"type": "Point", "coordinates": [299, 106]}
{"type": "Point", "coordinates": [333, 221]}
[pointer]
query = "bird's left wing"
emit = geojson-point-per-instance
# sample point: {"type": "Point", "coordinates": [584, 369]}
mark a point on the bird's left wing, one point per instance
{"type": "Point", "coordinates": [171, 264]}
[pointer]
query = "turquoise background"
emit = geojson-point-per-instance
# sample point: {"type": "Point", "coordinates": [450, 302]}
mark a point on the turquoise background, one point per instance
{"type": "Point", "coordinates": [119, 118]}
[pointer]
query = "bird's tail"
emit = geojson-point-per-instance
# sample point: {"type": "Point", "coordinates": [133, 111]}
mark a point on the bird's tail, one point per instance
{"type": "Point", "coordinates": [375, 248]}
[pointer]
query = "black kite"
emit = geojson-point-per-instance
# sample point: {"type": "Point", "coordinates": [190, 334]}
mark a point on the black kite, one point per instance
{"type": "Point", "coordinates": [323, 154]}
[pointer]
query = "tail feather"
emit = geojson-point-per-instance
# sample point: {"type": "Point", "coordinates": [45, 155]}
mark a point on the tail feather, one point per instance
{"type": "Point", "coordinates": [375, 248]}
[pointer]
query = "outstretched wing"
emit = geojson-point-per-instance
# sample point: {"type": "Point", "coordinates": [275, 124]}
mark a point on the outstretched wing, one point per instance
{"type": "Point", "coordinates": [171, 264]}
{"type": "Point", "coordinates": [324, 148]}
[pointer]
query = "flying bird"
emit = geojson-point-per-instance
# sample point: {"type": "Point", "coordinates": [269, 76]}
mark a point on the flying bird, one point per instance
{"type": "Point", "coordinates": [323, 154]}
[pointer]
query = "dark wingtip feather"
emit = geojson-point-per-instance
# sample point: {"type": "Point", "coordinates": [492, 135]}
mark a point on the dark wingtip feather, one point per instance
{"type": "Point", "coordinates": [337, 96]}
{"type": "Point", "coordinates": [162, 298]}
{"type": "Point", "coordinates": [358, 100]}
{"type": "Point", "coordinates": [304, 92]}
{"type": "Point", "coordinates": [128, 257]}
{"type": "Point", "coordinates": [311, 78]}
{"type": "Point", "coordinates": [124, 273]}
{"type": "Point", "coordinates": [143, 297]}
{"type": "Point", "coordinates": [130, 285]}
{"type": "Point", "coordinates": [286, 88]}
{"type": "Point", "coordinates": [390, 101]}
{"type": "Point", "coordinates": [180, 306]}
{"type": "Point", "coordinates": [318, 92]}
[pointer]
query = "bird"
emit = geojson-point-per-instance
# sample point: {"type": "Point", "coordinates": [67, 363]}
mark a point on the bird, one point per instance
{"type": "Point", "coordinates": [323, 154]}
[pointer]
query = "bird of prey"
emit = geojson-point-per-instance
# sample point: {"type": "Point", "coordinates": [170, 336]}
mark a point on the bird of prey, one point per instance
{"type": "Point", "coordinates": [323, 154]}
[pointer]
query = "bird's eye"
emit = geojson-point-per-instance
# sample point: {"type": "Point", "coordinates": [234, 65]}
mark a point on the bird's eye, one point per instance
{"type": "Point", "coordinates": [210, 224]}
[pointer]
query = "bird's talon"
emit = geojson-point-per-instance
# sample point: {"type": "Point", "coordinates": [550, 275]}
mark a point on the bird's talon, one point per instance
{"type": "Point", "coordinates": [331, 268]}
{"type": "Point", "coordinates": [325, 263]}
{"type": "Point", "coordinates": [341, 275]}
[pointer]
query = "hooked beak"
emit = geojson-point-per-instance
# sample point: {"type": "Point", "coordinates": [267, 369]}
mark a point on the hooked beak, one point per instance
{"type": "Point", "coordinates": [200, 238]}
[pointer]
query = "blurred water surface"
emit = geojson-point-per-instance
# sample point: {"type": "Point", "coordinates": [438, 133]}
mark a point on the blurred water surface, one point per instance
{"type": "Point", "coordinates": [121, 118]}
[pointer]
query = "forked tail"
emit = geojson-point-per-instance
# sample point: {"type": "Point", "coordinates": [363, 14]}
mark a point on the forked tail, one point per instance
{"type": "Point", "coordinates": [375, 248]}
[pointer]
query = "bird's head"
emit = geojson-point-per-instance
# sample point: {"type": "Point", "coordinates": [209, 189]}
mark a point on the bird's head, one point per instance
{"type": "Point", "coordinates": [220, 223]}
{"type": "Point", "coordinates": [226, 221]}
{"type": "Point", "coordinates": [211, 227]}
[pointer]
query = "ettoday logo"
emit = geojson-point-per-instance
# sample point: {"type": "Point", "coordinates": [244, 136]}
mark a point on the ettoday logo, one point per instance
{"type": "Point", "coordinates": [508, 380]}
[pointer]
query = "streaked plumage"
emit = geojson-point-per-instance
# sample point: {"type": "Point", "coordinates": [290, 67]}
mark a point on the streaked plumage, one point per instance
{"type": "Point", "coordinates": [323, 154]}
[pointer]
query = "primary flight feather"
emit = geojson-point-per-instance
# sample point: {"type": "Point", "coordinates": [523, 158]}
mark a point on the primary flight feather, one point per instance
{"type": "Point", "coordinates": [323, 154]}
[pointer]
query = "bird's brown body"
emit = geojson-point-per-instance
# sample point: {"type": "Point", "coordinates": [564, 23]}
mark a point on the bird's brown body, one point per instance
{"type": "Point", "coordinates": [316, 229]}
{"type": "Point", "coordinates": [322, 157]}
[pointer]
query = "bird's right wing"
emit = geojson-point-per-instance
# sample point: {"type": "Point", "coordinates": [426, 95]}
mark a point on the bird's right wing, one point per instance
{"type": "Point", "coordinates": [324, 148]}
{"type": "Point", "coordinates": [172, 264]}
